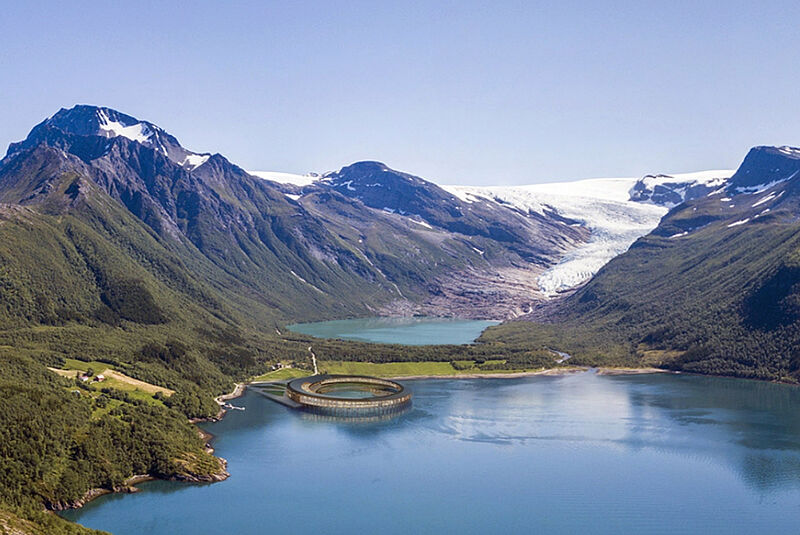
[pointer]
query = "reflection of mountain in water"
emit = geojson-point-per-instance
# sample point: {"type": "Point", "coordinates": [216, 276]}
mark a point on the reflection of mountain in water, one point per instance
{"type": "Point", "coordinates": [752, 426]}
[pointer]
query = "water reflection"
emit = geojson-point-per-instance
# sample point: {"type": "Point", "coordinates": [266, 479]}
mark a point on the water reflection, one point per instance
{"type": "Point", "coordinates": [311, 415]}
{"type": "Point", "coordinates": [752, 427]}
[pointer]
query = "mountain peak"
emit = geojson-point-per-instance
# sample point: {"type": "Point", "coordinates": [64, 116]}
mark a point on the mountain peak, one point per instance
{"type": "Point", "coordinates": [370, 173]}
{"type": "Point", "coordinates": [86, 120]}
{"type": "Point", "coordinates": [765, 165]}
{"type": "Point", "coordinates": [366, 166]}
{"type": "Point", "coordinates": [97, 121]}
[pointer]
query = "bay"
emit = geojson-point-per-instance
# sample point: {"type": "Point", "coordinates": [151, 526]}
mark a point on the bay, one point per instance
{"type": "Point", "coordinates": [581, 453]}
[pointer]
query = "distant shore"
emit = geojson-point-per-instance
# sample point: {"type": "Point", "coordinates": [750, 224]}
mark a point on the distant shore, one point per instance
{"type": "Point", "coordinates": [562, 370]}
{"type": "Point", "coordinates": [546, 371]}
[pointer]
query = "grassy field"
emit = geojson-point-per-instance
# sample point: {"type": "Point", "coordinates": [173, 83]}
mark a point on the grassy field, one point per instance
{"type": "Point", "coordinates": [113, 379]}
{"type": "Point", "coordinates": [123, 382]}
{"type": "Point", "coordinates": [65, 373]}
{"type": "Point", "coordinates": [96, 366]}
{"type": "Point", "coordinates": [283, 373]}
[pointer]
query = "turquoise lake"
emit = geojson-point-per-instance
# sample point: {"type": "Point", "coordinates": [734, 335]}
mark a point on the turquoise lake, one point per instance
{"type": "Point", "coordinates": [407, 331]}
{"type": "Point", "coordinates": [580, 453]}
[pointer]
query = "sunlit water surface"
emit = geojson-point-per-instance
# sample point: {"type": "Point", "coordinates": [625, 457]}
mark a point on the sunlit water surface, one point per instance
{"type": "Point", "coordinates": [573, 454]}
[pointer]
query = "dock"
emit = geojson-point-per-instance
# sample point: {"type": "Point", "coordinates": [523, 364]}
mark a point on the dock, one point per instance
{"type": "Point", "coordinates": [283, 400]}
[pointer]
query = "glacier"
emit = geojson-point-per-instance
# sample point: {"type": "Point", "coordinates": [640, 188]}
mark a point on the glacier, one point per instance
{"type": "Point", "coordinates": [603, 205]}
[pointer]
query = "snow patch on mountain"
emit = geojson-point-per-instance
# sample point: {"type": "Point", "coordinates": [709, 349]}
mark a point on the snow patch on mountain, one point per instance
{"type": "Point", "coordinates": [287, 178]}
{"type": "Point", "coordinates": [794, 152]}
{"type": "Point", "coordinates": [139, 132]}
{"type": "Point", "coordinates": [761, 188]}
{"type": "Point", "coordinates": [193, 161]}
{"type": "Point", "coordinates": [740, 222]}
{"type": "Point", "coordinates": [766, 199]}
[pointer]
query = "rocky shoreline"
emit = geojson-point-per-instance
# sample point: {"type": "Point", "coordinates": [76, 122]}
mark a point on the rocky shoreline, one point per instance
{"type": "Point", "coordinates": [129, 486]}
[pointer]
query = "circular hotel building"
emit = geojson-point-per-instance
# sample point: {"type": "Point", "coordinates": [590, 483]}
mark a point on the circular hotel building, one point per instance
{"type": "Point", "coordinates": [348, 395]}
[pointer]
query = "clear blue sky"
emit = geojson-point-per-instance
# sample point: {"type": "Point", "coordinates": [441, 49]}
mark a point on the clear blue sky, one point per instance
{"type": "Point", "coordinates": [456, 92]}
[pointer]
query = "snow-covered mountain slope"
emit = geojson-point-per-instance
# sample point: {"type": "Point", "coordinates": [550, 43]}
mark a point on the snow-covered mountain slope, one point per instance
{"type": "Point", "coordinates": [287, 178]}
{"type": "Point", "coordinates": [671, 190]}
{"type": "Point", "coordinates": [603, 205]}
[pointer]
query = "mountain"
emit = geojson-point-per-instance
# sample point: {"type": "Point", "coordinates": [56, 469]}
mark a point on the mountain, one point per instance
{"type": "Point", "coordinates": [672, 190]}
{"type": "Point", "coordinates": [227, 230]}
{"type": "Point", "coordinates": [764, 166]}
{"type": "Point", "coordinates": [507, 248]}
{"type": "Point", "coordinates": [714, 288]}
{"type": "Point", "coordinates": [611, 212]}
{"type": "Point", "coordinates": [392, 191]}
{"type": "Point", "coordinates": [479, 259]}
{"type": "Point", "coordinates": [92, 121]}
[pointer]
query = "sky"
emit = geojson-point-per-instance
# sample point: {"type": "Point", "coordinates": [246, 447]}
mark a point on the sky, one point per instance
{"type": "Point", "coordinates": [458, 92]}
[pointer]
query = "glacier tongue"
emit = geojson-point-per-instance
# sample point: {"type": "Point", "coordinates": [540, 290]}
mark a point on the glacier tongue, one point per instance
{"type": "Point", "coordinates": [602, 205]}
{"type": "Point", "coordinates": [614, 227]}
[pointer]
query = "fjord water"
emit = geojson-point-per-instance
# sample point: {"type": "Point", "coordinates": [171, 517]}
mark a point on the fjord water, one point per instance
{"type": "Point", "coordinates": [581, 453]}
{"type": "Point", "coordinates": [407, 331]}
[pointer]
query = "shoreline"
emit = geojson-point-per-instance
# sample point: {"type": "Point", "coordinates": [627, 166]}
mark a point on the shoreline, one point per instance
{"type": "Point", "coordinates": [533, 373]}
{"type": "Point", "coordinates": [498, 375]}
{"type": "Point", "coordinates": [237, 391]}
{"type": "Point", "coordinates": [129, 485]}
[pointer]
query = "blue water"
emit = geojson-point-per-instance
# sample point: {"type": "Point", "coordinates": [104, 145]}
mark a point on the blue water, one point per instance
{"type": "Point", "coordinates": [407, 331]}
{"type": "Point", "coordinates": [573, 454]}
